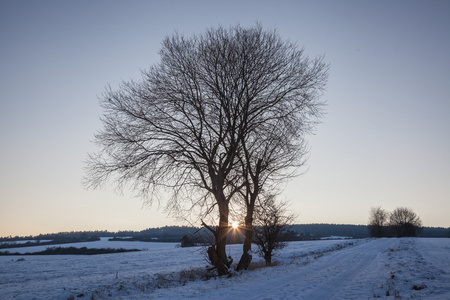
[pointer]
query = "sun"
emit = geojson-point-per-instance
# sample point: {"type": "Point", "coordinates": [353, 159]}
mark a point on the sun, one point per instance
{"type": "Point", "coordinates": [235, 225]}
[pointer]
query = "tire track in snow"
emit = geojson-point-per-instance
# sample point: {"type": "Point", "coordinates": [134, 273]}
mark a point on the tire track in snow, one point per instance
{"type": "Point", "coordinates": [335, 275]}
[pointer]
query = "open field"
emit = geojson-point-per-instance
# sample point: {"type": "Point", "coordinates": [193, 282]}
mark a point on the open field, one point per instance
{"type": "Point", "coordinates": [329, 269]}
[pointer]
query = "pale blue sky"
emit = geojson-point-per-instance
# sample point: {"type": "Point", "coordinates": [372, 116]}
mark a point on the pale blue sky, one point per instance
{"type": "Point", "coordinates": [385, 140]}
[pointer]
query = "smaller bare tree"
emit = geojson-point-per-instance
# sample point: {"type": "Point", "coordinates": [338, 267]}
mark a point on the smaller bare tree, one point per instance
{"type": "Point", "coordinates": [377, 222]}
{"type": "Point", "coordinates": [405, 222]}
{"type": "Point", "coordinates": [272, 221]}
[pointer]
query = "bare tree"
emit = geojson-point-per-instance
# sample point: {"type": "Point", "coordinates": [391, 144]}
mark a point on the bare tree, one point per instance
{"type": "Point", "coordinates": [176, 131]}
{"type": "Point", "coordinates": [272, 221]}
{"type": "Point", "coordinates": [377, 222]}
{"type": "Point", "coordinates": [405, 222]}
{"type": "Point", "coordinates": [214, 113]}
{"type": "Point", "coordinates": [283, 107]}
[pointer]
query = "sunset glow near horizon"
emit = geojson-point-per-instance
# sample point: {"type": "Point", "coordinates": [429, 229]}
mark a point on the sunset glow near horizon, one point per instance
{"type": "Point", "coordinates": [384, 140]}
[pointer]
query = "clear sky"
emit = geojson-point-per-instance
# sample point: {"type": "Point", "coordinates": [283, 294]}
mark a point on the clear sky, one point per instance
{"type": "Point", "coordinates": [385, 140]}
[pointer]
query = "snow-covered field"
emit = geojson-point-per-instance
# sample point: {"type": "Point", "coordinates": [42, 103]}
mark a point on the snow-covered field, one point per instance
{"type": "Point", "coordinates": [328, 269]}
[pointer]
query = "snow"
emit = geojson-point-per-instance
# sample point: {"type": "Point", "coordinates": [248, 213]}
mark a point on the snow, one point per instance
{"type": "Point", "coordinates": [327, 269]}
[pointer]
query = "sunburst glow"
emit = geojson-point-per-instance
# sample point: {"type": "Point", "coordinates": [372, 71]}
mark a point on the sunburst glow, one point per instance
{"type": "Point", "coordinates": [235, 225]}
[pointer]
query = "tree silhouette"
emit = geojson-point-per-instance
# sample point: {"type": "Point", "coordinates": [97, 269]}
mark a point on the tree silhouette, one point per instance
{"type": "Point", "coordinates": [222, 114]}
{"type": "Point", "coordinates": [272, 222]}
{"type": "Point", "coordinates": [377, 222]}
{"type": "Point", "coordinates": [405, 222]}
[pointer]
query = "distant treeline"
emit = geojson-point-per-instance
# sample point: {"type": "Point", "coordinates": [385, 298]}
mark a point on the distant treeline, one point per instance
{"type": "Point", "coordinates": [60, 238]}
{"type": "Point", "coordinates": [171, 234]}
{"type": "Point", "coordinates": [318, 231]}
{"type": "Point", "coordinates": [71, 251]}
{"type": "Point", "coordinates": [435, 232]}
{"type": "Point", "coordinates": [175, 234]}
{"type": "Point", "coordinates": [356, 231]}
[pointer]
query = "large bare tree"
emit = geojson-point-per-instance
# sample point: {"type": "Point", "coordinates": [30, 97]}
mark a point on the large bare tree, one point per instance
{"type": "Point", "coordinates": [221, 114]}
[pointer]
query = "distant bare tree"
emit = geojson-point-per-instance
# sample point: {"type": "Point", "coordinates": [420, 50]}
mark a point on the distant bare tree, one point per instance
{"type": "Point", "coordinates": [219, 116]}
{"type": "Point", "coordinates": [377, 222]}
{"type": "Point", "coordinates": [272, 221]}
{"type": "Point", "coordinates": [405, 222]}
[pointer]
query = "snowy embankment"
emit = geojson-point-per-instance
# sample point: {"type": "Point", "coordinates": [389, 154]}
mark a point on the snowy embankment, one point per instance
{"type": "Point", "coordinates": [350, 269]}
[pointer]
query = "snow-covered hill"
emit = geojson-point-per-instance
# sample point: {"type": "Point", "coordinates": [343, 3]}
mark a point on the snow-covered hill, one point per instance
{"type": "Point", "coordinates": [328, 269]}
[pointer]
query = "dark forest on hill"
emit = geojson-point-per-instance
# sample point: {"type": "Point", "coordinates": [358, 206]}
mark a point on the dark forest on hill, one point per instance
{"type": "Point", "coordinates": [195, 236]}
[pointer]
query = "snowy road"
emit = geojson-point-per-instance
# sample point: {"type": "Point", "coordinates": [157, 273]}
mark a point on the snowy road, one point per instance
{"type": "Point", "coordinates": [356, 269]}
{"type": "Point", "coordinates": [383, 268]}
{"type": "Point", "coordinates": [343, 272]}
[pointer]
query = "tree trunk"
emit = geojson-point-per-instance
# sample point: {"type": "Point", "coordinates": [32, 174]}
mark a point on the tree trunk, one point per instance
{"type": "Point", "coordinates": [222, 269]}
{"type": "Point", "coordinates": [246, 257]}
{"type": "Point", "coordinates": [217, 254]}
{"type": "Point", "coordinates": [268, 258]}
